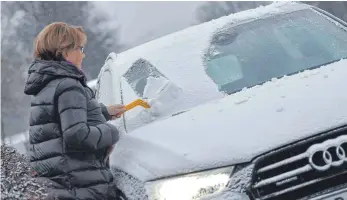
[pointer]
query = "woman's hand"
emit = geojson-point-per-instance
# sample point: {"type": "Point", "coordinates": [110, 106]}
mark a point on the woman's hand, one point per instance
{"type": "Point", "coordinates": [115, 111]}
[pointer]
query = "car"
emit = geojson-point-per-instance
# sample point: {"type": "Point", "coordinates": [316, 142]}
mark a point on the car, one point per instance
{"type": "Point", "coordinates": [249, 106]}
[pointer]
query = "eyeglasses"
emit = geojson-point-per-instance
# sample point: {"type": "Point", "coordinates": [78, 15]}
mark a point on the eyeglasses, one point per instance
{"type": "Point", "coordinates": [82, 49]}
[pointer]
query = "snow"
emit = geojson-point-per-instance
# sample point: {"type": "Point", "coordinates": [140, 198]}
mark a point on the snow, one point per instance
{"type": "Point", "coordinates": [165, 99]}
{"type": "Point", "coordinates": [283, 176]}
{"type": "Point", "coordinates": [328, 157]}
{"type": "Point", "coordinates": [131, 187]}
{"type": "Point", "coordinates": [17, 138]}
{"type": "Point", "coordinates": [92, 83]}
{"type": "Point", "coordinates": [336, 23]}
{"type": "Point", "coordinates": [305, 155]}
{"type": "Point", "coordinates": [154, 84]}
{"type": "Point", "coordinates": [283, 162]}
{"type": "Point", "coordinates": [16, 178]}
{"type": "Point", "coordinates": [241, 179]}
{"type": "Point", "coordinates": [327, 144]}
{"type": "Point", "coordinates": [227, 195]}
{"type": "Point", "coordinates": [186, 142]}
{"type": "Point", "coordinates": [163, 96]}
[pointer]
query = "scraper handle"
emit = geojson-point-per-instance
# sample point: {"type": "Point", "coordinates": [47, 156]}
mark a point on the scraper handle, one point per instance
{"type": "Point", "coordinates": [138, 102]}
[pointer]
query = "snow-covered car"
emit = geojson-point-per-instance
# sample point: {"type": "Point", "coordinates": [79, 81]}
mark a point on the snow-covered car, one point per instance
{"type": "Point", "coordinates": [248, 106]}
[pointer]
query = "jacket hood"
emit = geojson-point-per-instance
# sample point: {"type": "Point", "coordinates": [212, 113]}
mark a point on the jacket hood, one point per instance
{"type": "Point", "coordinates": [41, 72]}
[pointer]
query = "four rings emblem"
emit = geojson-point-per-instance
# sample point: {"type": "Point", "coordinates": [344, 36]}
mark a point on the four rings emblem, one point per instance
{"type": "Point", "coordinates": [331, 153]}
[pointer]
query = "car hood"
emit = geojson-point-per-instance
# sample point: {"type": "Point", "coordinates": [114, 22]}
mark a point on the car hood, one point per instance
{"type": "Point", "coordinates": [239, 127]}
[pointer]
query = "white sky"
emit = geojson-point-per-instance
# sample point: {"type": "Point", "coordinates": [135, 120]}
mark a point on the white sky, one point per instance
{"type": "Point", "coordinates": [143, 21]}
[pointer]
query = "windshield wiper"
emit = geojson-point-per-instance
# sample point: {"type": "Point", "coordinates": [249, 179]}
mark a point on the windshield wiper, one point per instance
{"type": "Point", "coordinates": [178, 113]}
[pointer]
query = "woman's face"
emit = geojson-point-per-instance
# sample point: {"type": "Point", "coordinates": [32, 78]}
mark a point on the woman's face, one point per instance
{"type": "Point", "coordinates": [75, 56]}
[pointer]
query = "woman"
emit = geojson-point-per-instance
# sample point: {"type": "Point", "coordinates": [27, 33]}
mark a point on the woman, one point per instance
{"type": "Point", "coordinates": [69, 137]}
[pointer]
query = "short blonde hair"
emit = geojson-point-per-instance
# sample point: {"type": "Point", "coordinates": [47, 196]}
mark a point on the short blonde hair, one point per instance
{"type": "Point", "coordinates": [56, 39]}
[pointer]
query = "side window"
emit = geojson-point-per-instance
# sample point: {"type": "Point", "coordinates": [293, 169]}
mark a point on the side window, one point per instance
{"type": "Point", "coordinates": [128, 93]}
{"type": "Point", "coordinates": [105, 88]}
{"type": "Point", "coordinates": [144, 79]}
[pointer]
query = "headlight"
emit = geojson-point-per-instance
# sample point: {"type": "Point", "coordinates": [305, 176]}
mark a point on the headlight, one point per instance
{"type": "Point", "coordinates": [191, 186]}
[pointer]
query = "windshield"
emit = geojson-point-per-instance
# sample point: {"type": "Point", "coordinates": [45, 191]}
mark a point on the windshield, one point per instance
{"type": "Point", "coordinates": [256, 52]}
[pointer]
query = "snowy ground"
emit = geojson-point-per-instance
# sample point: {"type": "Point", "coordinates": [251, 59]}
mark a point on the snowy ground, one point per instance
{"type": "Point", "coordinates": [16, 180]}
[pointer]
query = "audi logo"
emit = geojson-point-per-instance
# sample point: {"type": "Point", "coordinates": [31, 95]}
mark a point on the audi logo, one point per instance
{"type": "Point", "coordinates": [331, 153]}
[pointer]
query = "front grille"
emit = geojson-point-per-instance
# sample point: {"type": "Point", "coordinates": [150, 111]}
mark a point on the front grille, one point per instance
{"type": "Point", "coordinates": [287, 173]}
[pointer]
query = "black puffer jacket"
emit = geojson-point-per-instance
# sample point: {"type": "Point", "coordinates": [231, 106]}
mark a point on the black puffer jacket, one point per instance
{"type": "Point", "coordinates": [69, 136]}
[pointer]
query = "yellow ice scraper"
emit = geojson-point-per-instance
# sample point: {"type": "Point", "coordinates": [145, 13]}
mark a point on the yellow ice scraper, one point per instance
{"type": "Point", "coordinates": [137, 102]}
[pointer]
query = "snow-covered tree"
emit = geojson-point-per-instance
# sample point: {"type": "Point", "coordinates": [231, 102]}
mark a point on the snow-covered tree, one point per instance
{"type": "Point", "coordinates": [15, 57]}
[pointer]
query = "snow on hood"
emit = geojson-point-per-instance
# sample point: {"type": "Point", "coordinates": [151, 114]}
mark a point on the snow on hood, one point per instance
{"type": "Point", "coordinates": [239, 127]}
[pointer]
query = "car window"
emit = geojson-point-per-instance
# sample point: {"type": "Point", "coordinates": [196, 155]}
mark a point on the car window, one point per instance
{"type": "Point", "coordinates": [142, 80]}
{"type": "Point", "coordinates": [128, 93]}
{"type": "Point", "coordinates": [138, 75]}
{"type": "Point", "coordinates": [255, 52]}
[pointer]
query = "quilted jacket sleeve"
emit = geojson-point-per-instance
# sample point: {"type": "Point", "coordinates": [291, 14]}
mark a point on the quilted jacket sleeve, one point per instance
{"type": "Point", "coordinates": [72, 109]}
{"type": "Point", "coordinates": [105, 112]}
